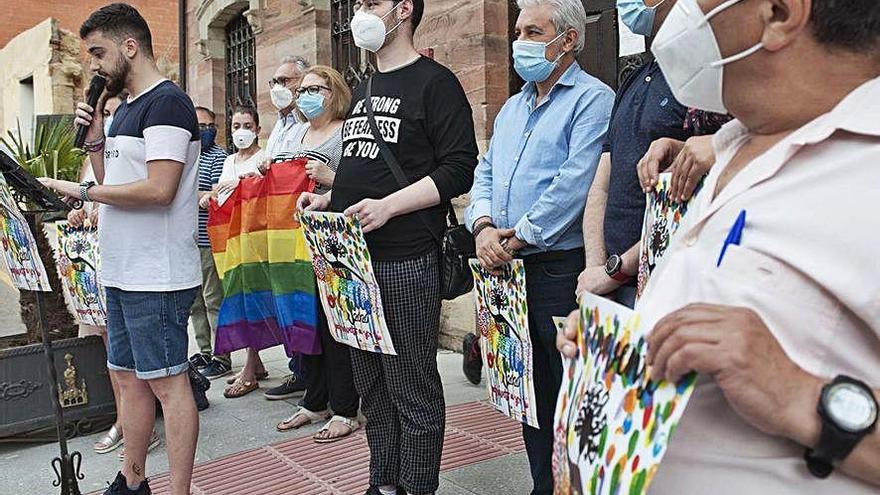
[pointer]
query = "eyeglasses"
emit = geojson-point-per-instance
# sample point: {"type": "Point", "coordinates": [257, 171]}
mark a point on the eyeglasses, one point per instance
{"type": "Point", "coordinates": [284, 81]}
{"type": "Point", "coordinates": [204, 127]}
{"type": "Point", "coordinates": [312, 90]}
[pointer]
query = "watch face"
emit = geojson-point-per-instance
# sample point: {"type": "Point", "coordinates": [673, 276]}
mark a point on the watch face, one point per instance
{"type": "Point", "coordinates": [612, 266]}
{"type": "Point", "coordinates": [850, 407]}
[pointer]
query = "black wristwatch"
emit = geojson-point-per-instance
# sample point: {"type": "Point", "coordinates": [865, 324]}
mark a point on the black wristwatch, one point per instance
{"type": "Point", "coordinates": [84, 187]}
{"type": "Point", "coordinates": [848, 410]}
{"type": "Point", "coordinates": [614, 268]}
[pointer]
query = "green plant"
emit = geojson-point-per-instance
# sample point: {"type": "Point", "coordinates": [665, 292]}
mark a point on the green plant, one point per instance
{"type": "Point", "coordinates": [53, 154]}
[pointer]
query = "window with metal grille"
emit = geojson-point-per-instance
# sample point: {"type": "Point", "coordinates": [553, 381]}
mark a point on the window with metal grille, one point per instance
{"type": "Point", "coordinates": [352, 62]}
{"type": "Point", "coordinates": [241, 70]}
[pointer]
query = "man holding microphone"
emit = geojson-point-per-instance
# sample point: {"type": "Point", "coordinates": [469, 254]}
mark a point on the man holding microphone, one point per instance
{"type": "Point", "coordinates": [146, 176]}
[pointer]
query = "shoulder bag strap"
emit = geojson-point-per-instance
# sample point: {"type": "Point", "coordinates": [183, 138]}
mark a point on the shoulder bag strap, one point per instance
{"type": "Point", "coordinates": [388, 155]}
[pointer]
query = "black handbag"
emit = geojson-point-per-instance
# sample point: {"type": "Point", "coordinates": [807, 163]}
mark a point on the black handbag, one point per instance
{"type": "Point", "coordinates": [457, 244]}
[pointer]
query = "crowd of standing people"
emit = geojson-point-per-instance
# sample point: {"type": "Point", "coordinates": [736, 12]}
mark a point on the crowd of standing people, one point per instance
{"type": "Point", "coordinates": [768, 106]}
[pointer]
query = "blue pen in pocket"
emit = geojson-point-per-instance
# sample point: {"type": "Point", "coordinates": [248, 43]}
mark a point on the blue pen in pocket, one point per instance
{"type": "Point", "coordinates": [734, 236]}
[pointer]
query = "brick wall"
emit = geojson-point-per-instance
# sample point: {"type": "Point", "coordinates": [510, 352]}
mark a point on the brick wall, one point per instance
{"type": "Point", "coordinates": [161, 15]}
{"type": "Point", "coordinates": [470, 37]}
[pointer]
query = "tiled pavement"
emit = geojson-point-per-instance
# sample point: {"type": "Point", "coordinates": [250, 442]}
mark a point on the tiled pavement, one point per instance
{"type": "Point", "coordinates": [240, 452]}
{"type": "Point", "coordinates": [474, 433]}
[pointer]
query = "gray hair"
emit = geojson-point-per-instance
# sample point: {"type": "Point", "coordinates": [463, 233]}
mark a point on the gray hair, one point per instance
{"type": "Point", "coordinates": [300, 63]}
{"type": "Point", "coordinates": [567, 14]}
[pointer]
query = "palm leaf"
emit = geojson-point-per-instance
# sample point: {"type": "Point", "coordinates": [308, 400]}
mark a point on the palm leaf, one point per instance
{"type": "Point", "coordinates": [53, 153]}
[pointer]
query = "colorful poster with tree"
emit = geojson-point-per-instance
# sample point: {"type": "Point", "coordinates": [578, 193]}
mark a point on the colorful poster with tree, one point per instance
{"type": "Point", "coordinates": [78, 260]}
{"type": "Point", "coordinates": [19, 246]}
{"type": "Point", "coordinates": [613, 422]}
{"type": "Point", "coordinates": [503, 326]}
{"type": "Point", "coordinates": [346, 282]}
{"type": "Point", "coordinates": [662, 218]}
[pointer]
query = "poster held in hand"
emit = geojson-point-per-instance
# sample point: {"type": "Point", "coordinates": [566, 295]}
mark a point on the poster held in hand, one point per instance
{"type": "Point", "coordinates": [663, 217]}
{"type": "Point", "coordinates": [613, 422]}
{"type": "Point", "coordinates": [19, 246]}
{"type": "Point", "coordinates": [77, 259]}
{"type": "Point", "coordinates": [505, 344]}
{"type": "Point", "coordinates": [347, 285]}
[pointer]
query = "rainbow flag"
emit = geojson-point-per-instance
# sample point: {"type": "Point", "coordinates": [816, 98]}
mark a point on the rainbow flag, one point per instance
{"type": "Point", "coordinates": [261, 257]}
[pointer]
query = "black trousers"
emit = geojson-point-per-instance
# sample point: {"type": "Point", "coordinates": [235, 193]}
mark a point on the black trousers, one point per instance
{"type": "Point", "coordinates": [329, 377]}
{"type": "Point", "coordinates": [551, 279]}
{"type": "Point", "coordinates": [403, 394]}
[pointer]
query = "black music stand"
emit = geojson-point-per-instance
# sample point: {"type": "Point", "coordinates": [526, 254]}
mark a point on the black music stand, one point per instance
{"type": "Point", "coordinates": [39, 200]}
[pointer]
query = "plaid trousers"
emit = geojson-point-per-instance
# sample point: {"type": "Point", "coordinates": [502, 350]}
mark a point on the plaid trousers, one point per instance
{"type": "Point", "coordinates": [402, 395]}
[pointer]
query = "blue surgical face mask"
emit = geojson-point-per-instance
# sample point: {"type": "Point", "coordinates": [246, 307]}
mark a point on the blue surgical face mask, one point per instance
{"type": "Point", "coordinates": [108, 121]}
{"type": "Point", "coordinates": [637, 16]}
{"type": "Point", "coordinates": [208, 136]}
{"type": "Point", "coordinates": [312, 106]}
{"type": "Point", "coordinates": [530, 61]}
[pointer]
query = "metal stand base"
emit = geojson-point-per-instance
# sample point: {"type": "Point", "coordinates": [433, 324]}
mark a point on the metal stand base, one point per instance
{"type": "Point", "coordinates": [67, 465]}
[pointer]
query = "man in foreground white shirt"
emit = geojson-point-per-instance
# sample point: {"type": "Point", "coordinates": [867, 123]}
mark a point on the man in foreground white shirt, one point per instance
{"type": "Point", "coordinates": [771, 322]}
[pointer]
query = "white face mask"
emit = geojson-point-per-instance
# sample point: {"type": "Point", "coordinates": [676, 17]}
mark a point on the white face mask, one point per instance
{"type": "Point", "coordinates": [688, 53]}
{"type": "Point", "coordinates": [243, 138]}
{"type": "Point", "coordinates": [368, 30]}
{"type": "Point", "coordinates": [282, 96]}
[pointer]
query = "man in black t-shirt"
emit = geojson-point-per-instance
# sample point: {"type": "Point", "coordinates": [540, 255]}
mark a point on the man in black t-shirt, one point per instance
{"type": "Point", "coordinates": [424, 116]}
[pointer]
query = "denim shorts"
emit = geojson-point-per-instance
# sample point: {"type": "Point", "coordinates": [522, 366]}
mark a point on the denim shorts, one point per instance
{"type": "Point", "coordinates": [146, 331]}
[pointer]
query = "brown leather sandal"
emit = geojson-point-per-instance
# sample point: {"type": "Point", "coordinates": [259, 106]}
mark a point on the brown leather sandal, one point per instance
{"type": "Point", "coordinates": [240, 388]}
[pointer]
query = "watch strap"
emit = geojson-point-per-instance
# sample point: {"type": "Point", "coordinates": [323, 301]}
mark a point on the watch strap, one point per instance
{"type": "Point", "coordinates": [834, 445]}
{"type": "Point", "coordinates": [84, 190]}
{"type": "Point", "coordinates": [617, 274]}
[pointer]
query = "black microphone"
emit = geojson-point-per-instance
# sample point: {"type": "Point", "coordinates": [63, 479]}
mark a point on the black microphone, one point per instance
{"type": "Point", "coordinates": [96, 87]}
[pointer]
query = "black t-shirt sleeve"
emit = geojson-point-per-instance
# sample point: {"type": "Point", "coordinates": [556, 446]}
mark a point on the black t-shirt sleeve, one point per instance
{"type": "Point", "coordinates": [450, 128]}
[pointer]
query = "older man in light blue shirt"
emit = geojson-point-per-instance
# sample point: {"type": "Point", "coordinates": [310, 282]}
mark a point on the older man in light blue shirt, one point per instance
{"type": "Point", "coordinates": [530, 189]}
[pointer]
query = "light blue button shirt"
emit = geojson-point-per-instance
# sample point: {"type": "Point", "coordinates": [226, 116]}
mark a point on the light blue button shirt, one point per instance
{"type": "Point", "coordinates": [542, 160]}
{"type": "Point", "coordinates": [281, 139]}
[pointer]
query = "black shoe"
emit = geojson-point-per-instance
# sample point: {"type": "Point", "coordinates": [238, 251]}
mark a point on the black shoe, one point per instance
{"type": "Point", "coordinates": [120, 487]}
{"type": "Point", "coordinates": [199, 361]}
{"type": "Point", "coordinates": [216, 370]}
{"type": "Point", "coordinates": [374, 490]}
{"type": "Point", "coordinates": [199, 385]}
{"type": "Point", "coordinates": [290, 387]}
{"type": "Point", "coordinates": [472, 363]}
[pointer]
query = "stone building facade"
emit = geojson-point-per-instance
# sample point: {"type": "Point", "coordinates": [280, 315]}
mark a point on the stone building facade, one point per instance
{"type": "Point", "coordinates": [470, 37]}
{"type": "Point", "coordinates": [43, 67]}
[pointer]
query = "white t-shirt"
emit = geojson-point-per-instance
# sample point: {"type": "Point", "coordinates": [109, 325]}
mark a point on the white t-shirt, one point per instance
{"type": "Point", "coordinates": [232, 170]}
{"type": "Point", "coordinates": [152, 248]}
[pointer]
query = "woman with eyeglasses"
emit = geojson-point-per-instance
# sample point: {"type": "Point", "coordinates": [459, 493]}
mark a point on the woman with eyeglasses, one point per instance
{"type": "Point", "coordinates": [323, 99]}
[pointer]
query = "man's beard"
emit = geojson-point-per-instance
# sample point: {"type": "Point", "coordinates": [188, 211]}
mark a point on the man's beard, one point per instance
{"type": "Point", "coordinates": [116, 79]}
